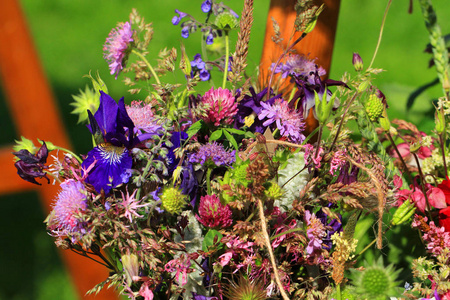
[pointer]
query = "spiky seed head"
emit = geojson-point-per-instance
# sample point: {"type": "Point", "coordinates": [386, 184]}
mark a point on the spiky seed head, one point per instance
{"type": "Point", "coordinates": [374, 108]}
{"type": "Point", "coordinates": [173, 200]}
{"type": "Point", "coordinates": [226, 21]}
{"type": "Point", "coordinates": [245, 289]}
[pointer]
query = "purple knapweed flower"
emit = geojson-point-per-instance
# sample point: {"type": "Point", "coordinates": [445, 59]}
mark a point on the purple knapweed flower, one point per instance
{"type": "Point", "coordinates": [177, 18]}
{"type": "Point", "coordinates": [116, 47]}
{"type": "Point", "coordinates": [206, 6]}
{"type": "Point", "coordinates": [287, 120]}
{"type": "Point", "coordinates": [108, 163]}
{"type": "Point", "coordinates": [213, 153]}
{"type": "Point", "coordinates": [212, 213]}
{"type": "Point", "coordinates": [31, 166]}
{"type": "Point", "coordinates": [220, 106]}
{"type": "Point", "coordinates": [69, 209]}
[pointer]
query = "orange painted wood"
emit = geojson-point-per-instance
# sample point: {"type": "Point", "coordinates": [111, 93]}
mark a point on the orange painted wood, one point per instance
{"type": "Point", "coordinates": [317, 44]}
{"type": "Point", "coordinates": [35, 115]}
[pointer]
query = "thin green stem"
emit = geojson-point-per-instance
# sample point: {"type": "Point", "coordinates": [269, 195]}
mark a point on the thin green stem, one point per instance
{"type": "Point", "coordinates": [286, 232]}
{"type": "Point", "coordinates": [208, 180]}
{"type": "Point", "coordinates": [381, 33]}
{"type": "Point", "coordinates": [70, 152]}
{"type": "Point", "coordinates": [338, 291]}
{"type": "Point", "coordinates": [227, 53]}
{"type": "Point", "coordinates": [442, 142]}
{"type": "Point", "coordinates": [148, 65]}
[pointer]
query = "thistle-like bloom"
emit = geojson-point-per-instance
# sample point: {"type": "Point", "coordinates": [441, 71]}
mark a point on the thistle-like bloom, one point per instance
{"type": "Point", "coordinates": [220, 106]}
{"type": "Point", "coordinates": [131, 204]}
{"type": "Point", "coordinates": [69, 209]}
{"type": "Point", "coordinates": [288, 120]}
{"type": "Point", "coordinates": [31, 166]}
{"type": "Point", "coordinates": [214, 214]}
{"type": "Point", "coordinates": [116, 47]}
{"type": "Point", "coordinates": [213, 153]}
{"type": "Point", "coordinates": [143, 118]}
{"type": "Point", "coordinates": [299, 65]}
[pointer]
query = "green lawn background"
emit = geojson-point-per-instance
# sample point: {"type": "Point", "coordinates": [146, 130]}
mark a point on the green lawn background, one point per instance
{"type": "Point", "coordinates": [69, 36]}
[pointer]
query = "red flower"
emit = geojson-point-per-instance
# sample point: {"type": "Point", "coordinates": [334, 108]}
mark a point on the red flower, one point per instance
{"type": "Point", "coordinates": [445, 187]}
{"type": "Point", "coordinates": [444, 218]}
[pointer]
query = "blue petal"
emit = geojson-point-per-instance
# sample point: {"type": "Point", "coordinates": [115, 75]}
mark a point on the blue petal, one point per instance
{"type": "Point", "coordinates": [112, 165]}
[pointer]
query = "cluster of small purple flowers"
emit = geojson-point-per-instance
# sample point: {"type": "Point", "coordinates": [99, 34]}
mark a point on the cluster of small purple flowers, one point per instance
{"type": "Point", "coordinates": [213, 153]}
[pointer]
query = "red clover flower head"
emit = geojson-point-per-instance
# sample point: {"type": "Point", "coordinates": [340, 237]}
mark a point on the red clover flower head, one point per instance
{"type": "Point", "coordinates": [213, 213]}
{"type": "Point", "coordinates": [116, 47]}
{"type": "Point", "coordinates": [220, 106]}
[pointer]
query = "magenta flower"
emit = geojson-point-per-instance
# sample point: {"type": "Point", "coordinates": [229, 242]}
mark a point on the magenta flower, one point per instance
{"type": "Point", "coordinates": [315, 233]}
{"type": "Point", "coordinates": [288, 120]}
{"type": "Point", "coordinates": [143, 118]}
{"type": "Point", "coordinates": [69, 209]}
{"type": "Point", "coordinates": [337, 161]}
{"type": "Point", "coordinates": [116, 47]}
{"type": "Point", "coordinates": [181, 266]}
{"type": "Point", "coordinates": [213, 213]}
{"type": "Point", "coordinates": [310, 154]}
{"type": "Point", "coordinates": [131, 204]}
{"type": "Point", "coordinates": [220, 106]}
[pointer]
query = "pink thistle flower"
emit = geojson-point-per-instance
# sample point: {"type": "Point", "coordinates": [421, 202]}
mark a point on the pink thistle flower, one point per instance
{"type": "Point", "coordinates": [130, 203]}
{"type": "Point", "coordinates": [288, 120]}
{"type": "Point", "coordinates": [143, 118]}
{"type": "Point", "coordinates": [69, 209]}
{"type": "Point", "coordinates": [116, 47]}
{"type": "Point", "coordinates": [181, 266]}
{"type": "Point", "coordinates": [220, 106]}
{"type": "Point", "coordinates": [213, 213]}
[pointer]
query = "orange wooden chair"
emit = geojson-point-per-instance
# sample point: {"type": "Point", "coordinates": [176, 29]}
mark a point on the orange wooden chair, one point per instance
{"type": "Point", "coordinates": [35, 115]}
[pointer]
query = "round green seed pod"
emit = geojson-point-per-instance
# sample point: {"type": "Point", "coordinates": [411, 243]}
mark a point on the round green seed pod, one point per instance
{"type": "Point", "coordinates": [173, 200]}
{"type": "Point", "coordinates": [226, 21]}
{"type": "Point", "coordinates": [374, 108]}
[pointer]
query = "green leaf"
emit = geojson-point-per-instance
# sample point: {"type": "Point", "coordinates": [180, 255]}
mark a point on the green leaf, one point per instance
{"type": "Point", "coordinates": [194, 128]}
{"type": "Point", "coordinates": [231, 139]}
{"type": "Point", "coordinates": [235, 131]}
{"type": "Point", "coordinates": [216, 135]}
{"type": "Point", "coordinates": [208, 241]}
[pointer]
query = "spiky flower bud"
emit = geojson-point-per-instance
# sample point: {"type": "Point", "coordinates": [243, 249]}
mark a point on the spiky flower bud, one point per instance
{"type": "Point", "coordinates": [226, 21]}
{"type": "Point", "coordinates": [274, 191]}
{"type": "Point", "coordinates": [357, 62]}
{"type": "Point", "coordinates": [374, 107]}
{"type": "Point", "coordinates": [173, 200]}
{"type": "Point", "coordinates": [25, 144]}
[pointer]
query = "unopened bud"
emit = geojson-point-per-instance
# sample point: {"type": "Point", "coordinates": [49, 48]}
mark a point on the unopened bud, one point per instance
{"type": "Point", "coordinates": [357, 62]}
{"type": "Point", "coordinates": [439, 119]}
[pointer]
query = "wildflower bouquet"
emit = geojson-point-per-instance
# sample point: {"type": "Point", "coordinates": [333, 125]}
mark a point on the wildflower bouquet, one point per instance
{"type": "Point", "coordinates": [222, 194]}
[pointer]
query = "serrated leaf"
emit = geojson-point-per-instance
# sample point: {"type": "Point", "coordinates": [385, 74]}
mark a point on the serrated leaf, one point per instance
{"type": "Point", "coordinates": [216, 135]}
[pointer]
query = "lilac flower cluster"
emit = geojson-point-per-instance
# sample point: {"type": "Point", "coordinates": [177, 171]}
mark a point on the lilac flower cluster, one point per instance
{"type": "Point", "coordinates": [213, 153]}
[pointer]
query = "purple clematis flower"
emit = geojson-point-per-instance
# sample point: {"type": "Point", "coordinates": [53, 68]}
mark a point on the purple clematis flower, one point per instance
{"type": "Point", "coordinates": [110, 160]}
{"type": "Point", "coordinates": [31, 166]}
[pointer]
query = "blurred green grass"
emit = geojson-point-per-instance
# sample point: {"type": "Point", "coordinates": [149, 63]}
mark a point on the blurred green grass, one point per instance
{"type": "Point", "coordinates": [69, 36]}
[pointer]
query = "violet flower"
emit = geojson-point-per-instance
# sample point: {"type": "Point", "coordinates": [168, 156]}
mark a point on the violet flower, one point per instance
{"type": "Point", "coordinates": [31, 166]}
{"type": "Point", "coordinates": [113, 131]}
{"type": "Point", "coordinates": [213, 153]}
{"type": "Point", "coordinates": [206, 6]}
{"type": "Point", "coordinates": [198, 65]}
{"type": "Point", "coordinates": [177, 18]}
{"type": "Point", "coordinates": [249, 108]}
{"type": "Point", "coordinates": [116, 47]}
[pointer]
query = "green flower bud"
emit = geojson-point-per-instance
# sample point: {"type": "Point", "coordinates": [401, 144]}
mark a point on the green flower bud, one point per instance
{"type": "Point", "coordinates": [403, 213]}
{"type": "Point", "coordinates": [226, 21]}
{"type": "Point", "coordinates": [274, 191]}
{"type": "Point", "coordinates": [185, 64]}
{"type": "Point", "coordinates": [173, 200]}
{"type": "Point", "coordinates": [439, 119]}
{"type": "Point", "coordinates": [374, 107]}
{"type": "Point", "coordinates": [324, 107]}
{"type": "Point", "coordinates": [357, 62]}
{"type": "Point", "coordinates": [386, 124]}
